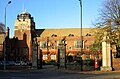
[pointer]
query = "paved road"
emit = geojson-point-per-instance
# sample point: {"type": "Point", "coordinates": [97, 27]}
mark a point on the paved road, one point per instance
{"type": "Point", "coordinates": [51, 72]}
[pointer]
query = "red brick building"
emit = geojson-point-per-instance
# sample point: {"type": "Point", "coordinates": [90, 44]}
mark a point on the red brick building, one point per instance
{"type": "Point", "coordinates": [2, 38]}
{"type": "Point", "coordinates": [20, 46]}
{"type": "Point", "coordinates": [50, 38]}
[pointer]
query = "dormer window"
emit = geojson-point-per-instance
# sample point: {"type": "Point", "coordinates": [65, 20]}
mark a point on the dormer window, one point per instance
{"type": "Point", "coordinates": [88, 34]}
{"type": "Point", "coordinates": [70, 35]}
{"type": "Point", "coordinates": [54, 35]}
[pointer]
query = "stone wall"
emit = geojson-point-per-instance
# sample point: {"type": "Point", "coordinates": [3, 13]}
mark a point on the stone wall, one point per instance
{"type": "Point", "coordinates": [116, 63]}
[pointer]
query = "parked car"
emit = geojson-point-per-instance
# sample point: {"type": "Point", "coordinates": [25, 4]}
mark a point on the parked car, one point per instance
{"type": "Point", "coordinates": [1, 63]}
{"type": "Point", "coordinates": [29, 63]}
{"type": "Point", "coordinates": [18, 63]}
{"type": "Point", "coordinates": [10, 63]}
{"type": "Point", "coordinates": [23, 63]}
{"type": "Point", "coordinates": [7, 63]}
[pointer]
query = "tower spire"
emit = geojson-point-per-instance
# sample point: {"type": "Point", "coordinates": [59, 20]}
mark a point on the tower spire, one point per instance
{"type": "Point", "coordinates": [23, 7]}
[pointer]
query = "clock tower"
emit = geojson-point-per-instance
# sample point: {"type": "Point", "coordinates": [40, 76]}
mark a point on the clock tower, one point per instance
{"type": "Point", "coordinates": [24, 30]}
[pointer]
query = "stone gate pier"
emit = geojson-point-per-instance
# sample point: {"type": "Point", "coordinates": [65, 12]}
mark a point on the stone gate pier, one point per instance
{"type": "Point", "coordinates": [106, 53]}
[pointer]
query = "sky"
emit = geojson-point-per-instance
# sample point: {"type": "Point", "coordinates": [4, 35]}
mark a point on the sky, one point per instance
{"type": "Point", "coordinates": [52, 13]}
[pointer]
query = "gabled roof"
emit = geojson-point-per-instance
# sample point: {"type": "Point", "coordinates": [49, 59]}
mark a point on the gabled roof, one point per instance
{"type": "Point", "coordinates": [64, 32]}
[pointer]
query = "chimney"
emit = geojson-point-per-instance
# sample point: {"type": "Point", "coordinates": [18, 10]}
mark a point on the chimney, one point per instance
{"type": "Point", "coordinates": [109, 26]}
{"type": "Point", "coordinates": [109, 23]}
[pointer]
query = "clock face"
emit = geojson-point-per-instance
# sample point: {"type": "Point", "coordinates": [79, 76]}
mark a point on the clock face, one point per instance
{"type": "Point", "coordinates": [22, 28]}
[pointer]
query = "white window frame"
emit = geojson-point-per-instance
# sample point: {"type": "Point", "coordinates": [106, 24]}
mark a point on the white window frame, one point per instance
{"type": "Point", "coordinates": [45, 57]}
{"type": "Point", "coordinates": [53, 57]}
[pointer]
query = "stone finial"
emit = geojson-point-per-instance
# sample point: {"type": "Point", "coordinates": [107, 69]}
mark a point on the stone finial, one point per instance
{"type": "Point", "coordinates": [106, 37]}
{"type": "Point", "coordinates": [105, 33]}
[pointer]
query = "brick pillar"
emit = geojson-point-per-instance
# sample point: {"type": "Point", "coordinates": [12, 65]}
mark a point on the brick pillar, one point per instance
{"type": "Point", "coordinates": [30, 51]}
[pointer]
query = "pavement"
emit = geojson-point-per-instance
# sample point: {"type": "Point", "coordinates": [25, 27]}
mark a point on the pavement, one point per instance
{"type": "Point", "coordinates": [88, 72]}
{"type": "Point", "coordinates": [51, 72]}
{"type": "Point", "coordinates": [54, 68]}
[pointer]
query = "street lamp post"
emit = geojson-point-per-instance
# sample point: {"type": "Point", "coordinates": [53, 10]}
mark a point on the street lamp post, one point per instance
{"type": "Point", "coordinates": [81, 23]}
{"type": "Point", "coordinates": [5, 35]}
{"type": "Point", "coordinates": [81, 43]}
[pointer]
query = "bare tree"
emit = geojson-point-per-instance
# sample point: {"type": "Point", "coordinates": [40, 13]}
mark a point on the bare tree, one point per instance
{"type": "Point", "coordinates": [110, 12]}
{"type": "Point", "coordinates": [2, 28]}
